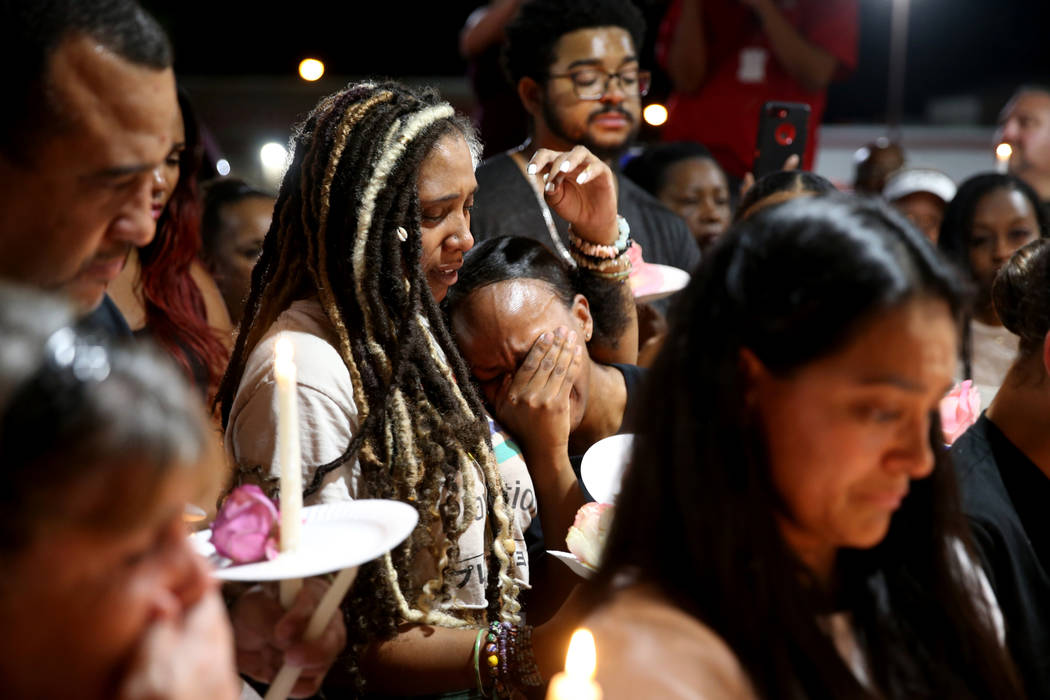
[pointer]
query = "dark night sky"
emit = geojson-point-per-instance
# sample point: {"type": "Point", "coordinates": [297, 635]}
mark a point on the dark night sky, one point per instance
{"type": "Point", "coordinates": [955, 46]}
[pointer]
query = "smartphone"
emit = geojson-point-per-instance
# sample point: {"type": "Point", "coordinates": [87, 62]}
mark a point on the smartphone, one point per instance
{"type": "Point", "coordinates": [782, 129]}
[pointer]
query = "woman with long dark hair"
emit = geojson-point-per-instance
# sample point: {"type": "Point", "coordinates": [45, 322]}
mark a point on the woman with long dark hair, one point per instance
{"type": "Point", "coordinates": [164, 291]}
{"type": "Point", "coordinates": [991, 216]}
{"type": "Point", "coordinates": [789, 526]}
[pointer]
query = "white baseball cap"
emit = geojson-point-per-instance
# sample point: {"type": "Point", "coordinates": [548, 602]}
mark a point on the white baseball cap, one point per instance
{"type": "Point", "coordinates": [908, 181]}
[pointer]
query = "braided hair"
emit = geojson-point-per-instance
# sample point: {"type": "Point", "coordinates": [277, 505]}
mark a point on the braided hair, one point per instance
{"type": "Point", "coordinates": [351, 184]}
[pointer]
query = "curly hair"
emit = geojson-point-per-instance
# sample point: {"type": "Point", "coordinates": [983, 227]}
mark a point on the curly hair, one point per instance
{"type": "Point", "coordinates": [531, 36]}
{"type": "Point", "coordinates": [351, 184]}
{"type": "Point", "coordinates": [1021, 295]}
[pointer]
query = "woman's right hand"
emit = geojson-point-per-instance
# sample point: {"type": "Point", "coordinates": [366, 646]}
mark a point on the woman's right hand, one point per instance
{"type": "Point", "coordinates": [579, 187]}
{"type": "Point", "coordinates": [534, 404]}
{"type": "Point", "coordinates": [267, 636]}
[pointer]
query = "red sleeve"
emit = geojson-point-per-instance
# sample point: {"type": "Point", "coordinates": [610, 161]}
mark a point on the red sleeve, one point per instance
{"type": "Point", "coordinates": [833, 25]}
{"type": "Point", "coordinates": [663, 37]}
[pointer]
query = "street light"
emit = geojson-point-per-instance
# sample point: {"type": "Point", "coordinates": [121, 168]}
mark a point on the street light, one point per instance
{"type": "Point", "coordinates": [655, 114]}
{"type": "Point", "coordinates": [898, 51]}
{"type": "Point", "coordinates": [310, 69]}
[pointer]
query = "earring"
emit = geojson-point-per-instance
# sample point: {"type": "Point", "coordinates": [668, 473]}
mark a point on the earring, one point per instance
{"type": "Point", "coordinates": [402, 234]}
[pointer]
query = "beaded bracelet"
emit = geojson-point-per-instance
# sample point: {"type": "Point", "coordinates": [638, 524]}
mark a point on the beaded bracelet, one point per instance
{"type": "Point", "coordinates": [613, 276]}
{"type": "Point", "coordinates": [496, 650]}
{"type": "Point", "coordinates": [510, 658]}
{"type": "Point", "coordinates": [528, 670]}
{"type": "Point", "coordinates": [622, 262]}
{"type": "Point", "coordinates": [616, 268]}
{"type": "Point", "coordinates": [597, 250]}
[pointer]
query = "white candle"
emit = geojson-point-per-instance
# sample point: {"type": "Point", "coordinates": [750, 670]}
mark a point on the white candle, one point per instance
{"type": "Point", "coordinates": [288, 458]}
{"type": "Point", "coordinates": [577, 682]}
{"type": "Point", "coordinates": [1002, 157]}
{"type": "Point", "coordinates": [286, 677]}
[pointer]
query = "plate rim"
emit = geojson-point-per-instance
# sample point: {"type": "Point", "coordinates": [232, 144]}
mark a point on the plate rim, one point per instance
{"type": "Point", "coordinates": [670, 273]}
{"type": "Point", "coordinates": [618, 437]}
{"type": "Point", "coordinates": [575, 565]}
{"type": "Point", "coordinates": [395, 519]}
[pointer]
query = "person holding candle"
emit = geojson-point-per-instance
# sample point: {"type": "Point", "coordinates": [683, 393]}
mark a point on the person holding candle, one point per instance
{"type": "Point", "coordinates": [991, 216]}
{"type": "Point", "coordinates": [102, 445]}
{"type": "Point", "coordinates": [795, 532]}
{"type": "Point", "coordinates": [368, 234]}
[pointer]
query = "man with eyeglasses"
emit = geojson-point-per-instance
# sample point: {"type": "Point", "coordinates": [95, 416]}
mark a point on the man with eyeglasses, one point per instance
{"type": "Point", "coordinates": [576, 68]}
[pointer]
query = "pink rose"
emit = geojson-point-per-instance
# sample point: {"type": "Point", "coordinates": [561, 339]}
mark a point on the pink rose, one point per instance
{"type": "Point", "coordinates": [586, 538]}
{"type": "Point", "coordinates": [246, 528]}
{"type": "Point", "coordinates": [960, 409]}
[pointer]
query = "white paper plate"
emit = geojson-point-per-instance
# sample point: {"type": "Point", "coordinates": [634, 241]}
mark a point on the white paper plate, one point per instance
{"type": "Point", "coordinates": [671, 280]}
{"type": "Point", "coordinates": [603, 466]}
{"type": "Point", "coordinates": [334, 536]}
{"type": "Point", "coordinates": [575, 565]}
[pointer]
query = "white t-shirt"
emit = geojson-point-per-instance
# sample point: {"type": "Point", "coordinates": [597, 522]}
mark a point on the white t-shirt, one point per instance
{"type": "Point", "coordinates": [328, 419]}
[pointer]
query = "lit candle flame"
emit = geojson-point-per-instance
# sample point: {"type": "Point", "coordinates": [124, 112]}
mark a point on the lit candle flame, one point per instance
{"type": "Point", "coordinates": [582, 658]}
{"type": "Point", "coordinates": [1003, 151]}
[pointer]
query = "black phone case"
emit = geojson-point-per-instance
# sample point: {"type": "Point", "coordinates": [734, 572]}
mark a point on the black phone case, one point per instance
{"type": "Point", "coordinates": [782, 130]}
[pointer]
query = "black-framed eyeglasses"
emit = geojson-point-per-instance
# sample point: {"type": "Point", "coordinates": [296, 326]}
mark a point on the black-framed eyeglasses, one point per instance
{"type": "Point", "coordinates": [593, 83]}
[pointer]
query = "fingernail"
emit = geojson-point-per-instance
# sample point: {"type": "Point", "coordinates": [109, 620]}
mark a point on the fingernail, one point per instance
{"type": "Point", "coordinates": [532, 169]}
{"type": "Point", "coordinates": [565, 166]}
{"type": "Point", "coordinates": [560, 333]}
{"type": "Point", "coordinates": [545, 176]}
{"type": "Point", "coordinates": [545, 337]}
{"type": "Point", "coordinates": [572, 337]}
{"type": "Point", "coordinates": [583, 177]}
{"type": "Point", "coordinates": [550, 186]}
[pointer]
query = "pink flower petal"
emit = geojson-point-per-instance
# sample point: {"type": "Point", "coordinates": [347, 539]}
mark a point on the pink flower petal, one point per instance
{"type": "Point", "coordinates": [245, 525]}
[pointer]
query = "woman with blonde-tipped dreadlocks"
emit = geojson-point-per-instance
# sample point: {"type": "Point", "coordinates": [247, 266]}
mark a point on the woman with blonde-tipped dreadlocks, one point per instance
{"type": "Point", "coordinates": [369, 229]}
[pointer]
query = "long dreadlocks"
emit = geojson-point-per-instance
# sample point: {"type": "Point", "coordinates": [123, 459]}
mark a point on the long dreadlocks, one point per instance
{"type": "Point", "coordinates": [351, 184]}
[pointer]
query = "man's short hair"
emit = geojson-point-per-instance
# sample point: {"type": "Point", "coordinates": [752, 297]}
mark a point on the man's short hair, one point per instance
{"type": "Point", "coordinates": [31, 31]}
{"type": "Point", "coordinates": [529, 49]}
